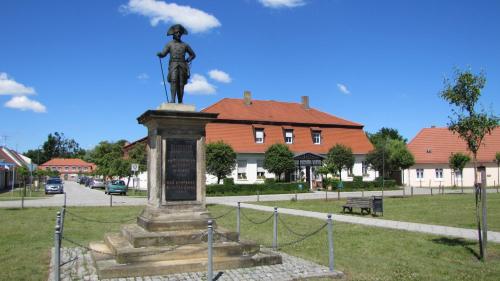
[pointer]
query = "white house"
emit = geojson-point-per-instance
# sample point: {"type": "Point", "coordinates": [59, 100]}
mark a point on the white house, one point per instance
{"type": "Point", "coordinates": [432, 148]}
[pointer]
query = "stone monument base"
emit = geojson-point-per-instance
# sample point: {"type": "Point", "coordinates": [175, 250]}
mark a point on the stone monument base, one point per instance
{"type": "Point", "coordinates": [173, 240]}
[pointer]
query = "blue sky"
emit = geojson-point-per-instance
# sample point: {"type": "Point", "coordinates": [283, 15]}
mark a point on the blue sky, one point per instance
{"type": "Point", "coordinates": [89, 69]}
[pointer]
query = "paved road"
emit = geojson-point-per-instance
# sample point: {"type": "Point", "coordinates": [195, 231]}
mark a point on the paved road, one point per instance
{"type": "Point", "coordinates": [76, 195]}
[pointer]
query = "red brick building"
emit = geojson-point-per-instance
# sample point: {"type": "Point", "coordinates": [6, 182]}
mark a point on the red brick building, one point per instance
{"type": "Point", "coordinates": [68, 168]}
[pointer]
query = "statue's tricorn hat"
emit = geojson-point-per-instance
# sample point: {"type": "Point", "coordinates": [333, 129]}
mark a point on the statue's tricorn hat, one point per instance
{"type": "Point", "coordinates": [172, 29]}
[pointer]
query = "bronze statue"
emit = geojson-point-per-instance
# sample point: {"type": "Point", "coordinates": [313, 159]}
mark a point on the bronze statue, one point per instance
{"type": "Point", "coordinates": [178, 66]}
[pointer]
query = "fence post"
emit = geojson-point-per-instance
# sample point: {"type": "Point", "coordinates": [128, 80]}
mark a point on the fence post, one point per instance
{"type": "Point", "coordinates": [275, 229]}
{"type": "Point", "coordinates": [210, 276]}
{"type": "Point", "coordinates": [111, 200]}
{"type": "Point", "coordinates": [63, 214]}
{"type": "Point", "coordinates": [64, 200]}
{"type": "Point", "coordinates": [404, 192]}
{"type": "Point", "coordinates": [326, 195]}
{"type": "Point", "coordinates": [238, 219]}
{"type": "Point", "coordinates": [296, 197]}
{"type": "Point", "coordinates": [57, 253]}
{"type": "Point", "coordinates": [330, 242]}
{"type": "Point", "coordinates": [258, 196]}
{"type": "Point", "coordinates": [22, 197]}
{"type": "Point", "coordinates": [338, 194]}
{"type": "Point", "coordinates": [431, 191]}
{"type": "Point", "coordinates": [412, 190]}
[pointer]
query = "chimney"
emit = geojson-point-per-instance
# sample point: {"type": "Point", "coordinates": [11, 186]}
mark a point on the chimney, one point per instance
{"type": "Point", "coordinates": [305, 102]}
{"type": "Point", "coordinates": [247, 97]}
{"type": "Point", "coordinates": [433, 126]}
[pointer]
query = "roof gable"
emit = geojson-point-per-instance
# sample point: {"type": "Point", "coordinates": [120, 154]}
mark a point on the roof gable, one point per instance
{"type": "Point", "coordinates": [435, 145]}
{"type": "Point", "coordinates": [274, 111]}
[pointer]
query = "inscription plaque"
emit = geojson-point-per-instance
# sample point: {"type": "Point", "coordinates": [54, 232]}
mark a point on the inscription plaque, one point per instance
{"type": "Point", "coordinates": [181, 170]}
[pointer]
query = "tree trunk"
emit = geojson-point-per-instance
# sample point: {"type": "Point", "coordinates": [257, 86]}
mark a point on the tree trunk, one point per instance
{"type": "Point", "coordinates": [477, 193]}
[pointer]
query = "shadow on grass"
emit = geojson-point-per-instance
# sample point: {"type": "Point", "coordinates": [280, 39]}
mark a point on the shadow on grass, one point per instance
{"type": "Point", "coordinates": [454, 242]}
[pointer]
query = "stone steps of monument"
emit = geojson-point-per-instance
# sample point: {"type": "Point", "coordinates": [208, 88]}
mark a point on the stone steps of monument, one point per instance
{"type": "Point", "coordinates": [175, 223]}
{"type": "Point", "coordinates": [139, 237]}
{"type": "Point", "coordinates": [109, 268]}
{"type": "Point", "coordinates": [124, 252]}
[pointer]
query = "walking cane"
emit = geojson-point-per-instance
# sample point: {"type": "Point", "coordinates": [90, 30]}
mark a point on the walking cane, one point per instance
{"type": "Point", "coordinates": [163, 77]}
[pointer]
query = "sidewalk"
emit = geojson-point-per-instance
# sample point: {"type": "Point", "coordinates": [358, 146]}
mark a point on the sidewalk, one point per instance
{"type": "Point", "coordinates": [391, 224]}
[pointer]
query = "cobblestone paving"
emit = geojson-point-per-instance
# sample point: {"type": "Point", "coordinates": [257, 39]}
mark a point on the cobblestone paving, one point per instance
{"type": "Point", "coordinates": [78, 265]}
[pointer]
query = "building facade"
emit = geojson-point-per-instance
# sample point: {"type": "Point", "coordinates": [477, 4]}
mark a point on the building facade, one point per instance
{"type": "Point", "coordinates": [10, 161]}
{"type": "Point", "coordinates": [432, 148]}
{"type": "Point", "coordinates": [69, 168]}
{"type": "Point", "coordinates": [251, 126]}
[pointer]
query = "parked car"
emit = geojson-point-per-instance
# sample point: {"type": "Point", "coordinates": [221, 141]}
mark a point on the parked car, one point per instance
{"type": "Point", "coordinates": [88, 181]}
{"type": "Point", "coordinates": [97, 183]}
{"type": "Point", "coordinates": [54, 185]}
{"type": "Point", "coordinates": [116, 186]}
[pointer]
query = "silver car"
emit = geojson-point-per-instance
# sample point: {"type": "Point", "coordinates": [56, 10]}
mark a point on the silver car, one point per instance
{"type": "Point", "coordinates": [97, 183]}
{"type": "Point", "coordinates": [54, 185]}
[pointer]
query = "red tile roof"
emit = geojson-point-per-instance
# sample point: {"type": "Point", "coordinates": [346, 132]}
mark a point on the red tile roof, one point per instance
{"type": "Point", "coordinates": [67, 162]}
{"type": "Point", "coordinates": [241, 138]}
{"type": "Point", "coordinates": [237, 121]}
{"type": "Point", "coordinates": [435, 145]}
{"type": "Point", "coordinates": [273, 111]}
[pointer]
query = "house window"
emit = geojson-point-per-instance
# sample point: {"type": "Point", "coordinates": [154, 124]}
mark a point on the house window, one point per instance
{"type": "Point", "coordinates": [420, 173]}
{"type": "Point", "coordinates": [79, 168]}
{"type": "Point", "coordinates": [85, 169]}
{"type": "Point", "coordinates": [364, 168]}
{"type": "Point", "coordinates": [289, 136]}
{"type": "Point", "coordinates": [59, 168]}
{"type": "Point", "coordinates": [261, 173]}
{"type": "Point", "coordinates": [66, 168]}
{"type": "Point", "coordinates": [47, 168]}
{"type": "Point", "coordinates": [350, 173]}
{"type": "Point", "coordinates": [458, 173]}
{"type": "Point", "coordinates": [259, 135]}
{"type": "Point", "coordinates": [73, 168]}
{"type": "Point", "coordinates": [242, 170]}
{"type": "Point", "coordinates": [316, 137]}
{"type": "Point", "coordinates": [439, 173]}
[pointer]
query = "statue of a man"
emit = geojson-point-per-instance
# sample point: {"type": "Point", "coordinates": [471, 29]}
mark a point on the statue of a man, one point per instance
{"type": "Point", "coordinates": [178, 66]}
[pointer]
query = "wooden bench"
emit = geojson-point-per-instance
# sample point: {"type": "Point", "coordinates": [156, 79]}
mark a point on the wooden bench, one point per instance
{"type": "Point", "coordinates": [364, 203]}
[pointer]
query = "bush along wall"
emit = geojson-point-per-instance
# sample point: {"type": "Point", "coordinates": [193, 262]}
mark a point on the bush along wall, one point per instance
{"type": "Point", "coordinates": [358, 184]}
{"type": "Point", "coordinates": [229, 189]}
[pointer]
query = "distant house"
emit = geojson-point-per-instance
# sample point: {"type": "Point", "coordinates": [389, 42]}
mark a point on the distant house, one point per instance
{"type": "Point", "coordinates": [251, 126]}
{"type": "Point", "coordinates": [68, 168]}
{"type": "Point", "coordinates": [11, 160]}
{"type": "Point", "coordinates": [432, 148]}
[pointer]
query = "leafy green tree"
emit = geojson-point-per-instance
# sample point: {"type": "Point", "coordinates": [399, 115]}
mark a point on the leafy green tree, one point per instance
{"type": "Point", "coordinates": [457, 162]}
{"type": "Point", "coordinates": [108, 156]}
{"type": "Point", "coordinates": [138, 155]}
{"type": "Point", "coordinates": [339, 157]}
{"type": "Point", "coordinates": [56, 146]}
{"type": "Point", "coordinates": [472, 126]}
{"type": "Point", "coordinates": [221, 159]}
{"type": "Point", "coordinates": [278, 159]}
{"type": "Point", "coordinates": [384, 134]}
{"type": "Point", "coordinates": [400, 158]}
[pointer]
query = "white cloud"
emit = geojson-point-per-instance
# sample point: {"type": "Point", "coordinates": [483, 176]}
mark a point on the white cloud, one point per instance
{"type": "Point", "coordinates": [219, 76]}
{"type": "Point", "coordinates": [282, 3]}
{"type": "Point", "coordinates": [193, 19]}
{"type": "Point", "coordinates": [10, 87]}
{"type": "Point", "coordinates": [24, 103]}
{"type": "Point", "coordinates": [198, 84]}
{"type": "Point", "coordinates": [143, 76]}
{"type": "Point", "coordinates": [343, 89]}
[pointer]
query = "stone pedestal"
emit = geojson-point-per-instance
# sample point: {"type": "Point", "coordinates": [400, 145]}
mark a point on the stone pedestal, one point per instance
{"type": "Point", "coordinates": [170, 234]}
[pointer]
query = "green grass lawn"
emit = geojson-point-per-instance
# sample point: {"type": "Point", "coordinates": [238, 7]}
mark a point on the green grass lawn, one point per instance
{"type": "Point", "coordinates": [451, 210]}
{"type": "Point", "coordinates": [18, 193]}
{"type": "Point", "coordinates": [363, 253]}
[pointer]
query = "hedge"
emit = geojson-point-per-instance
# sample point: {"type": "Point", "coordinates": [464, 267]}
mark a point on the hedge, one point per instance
{"type": "Point", "coordinates": [251, 189]}
{"type": "Point", "coordinates": [359, 184]}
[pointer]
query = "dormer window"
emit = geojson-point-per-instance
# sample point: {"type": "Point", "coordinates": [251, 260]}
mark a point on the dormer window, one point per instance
{"type": "Point", "coordinates": [316, 137]}
{"type": "Point", "coordinates": [289, 136]}
{"type": "Point", "coordinates": [259, 135]}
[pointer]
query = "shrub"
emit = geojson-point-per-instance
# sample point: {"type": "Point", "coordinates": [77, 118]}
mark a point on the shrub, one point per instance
{"type": "Point", "coordinates": [228, 181]}
{"type": "Point", "coordinates": [251, 189]}
{"type": "Point", "coordinates": [269, 180]}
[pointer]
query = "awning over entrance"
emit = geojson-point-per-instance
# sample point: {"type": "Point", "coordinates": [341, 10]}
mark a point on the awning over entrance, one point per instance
{"type": "Point", "coordinates": [308, 159]}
